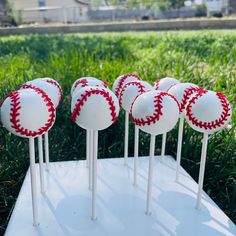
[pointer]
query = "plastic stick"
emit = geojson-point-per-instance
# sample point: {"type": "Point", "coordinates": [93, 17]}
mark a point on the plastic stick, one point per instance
{"type": "Point", "coordinates": [202, 169]}
{"type": "Point", "coordinates": [179, 146]}
{"type": "Point", "coordinates": [46, 148]}
{"type": "Point", "coordinates": [33, 182]}
{"type": "Point", "coordinates": [150, 175]}
{"type": "Point", "coordinates": [136, 145]}
{"type": "Point", "coordinates": [87, 147]}
{"type": "Point", "coordinates": [126, 137]}
{"type": "Point", "coordinates": [41, 165]}
{"type": "Point", "coordinates": [94, 185]}
{"type": "Point", "coordinates": [90, 158]}
{"type": "Point", "coordinates": [163, 146]}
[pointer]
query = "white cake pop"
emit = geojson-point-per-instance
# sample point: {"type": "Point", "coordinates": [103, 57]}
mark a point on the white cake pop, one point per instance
{"type": "Point", "coordinates": [54, 83]}
{"type": "Point", "coordinates": [164, 84]}
{"type": "Point", "coordinates": [85, 81]}
{"type": "Point", "coordinates": [48, 88]}
{"type": "Point", "coordinates": [130, 91]}
{"type": "Point", "coordinates": [208, 111]}
{"type": "Point", "coordinates": [182, 92]}
{"type": "Point", "coordinates": [95, 108]}
{"type": "Point", "coordinates": [27, 113]}
{"type": "Point", "coordinates": [122, 80]}
{"type": "Point", "coordinates": [155, 112]}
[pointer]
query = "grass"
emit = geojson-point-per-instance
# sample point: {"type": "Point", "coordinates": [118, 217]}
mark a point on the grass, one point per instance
{"type": "Point", "coordinates": [206, 58]}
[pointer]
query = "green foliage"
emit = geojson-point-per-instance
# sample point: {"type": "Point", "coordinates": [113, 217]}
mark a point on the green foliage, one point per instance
{"type": "Point", "coordinates": [202, 57]}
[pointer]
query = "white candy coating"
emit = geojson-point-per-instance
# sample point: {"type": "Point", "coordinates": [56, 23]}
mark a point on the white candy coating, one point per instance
{"type": "Point", "coordinates": [155, 112]}
{"type": "Point", "coordinates": [164, 84]}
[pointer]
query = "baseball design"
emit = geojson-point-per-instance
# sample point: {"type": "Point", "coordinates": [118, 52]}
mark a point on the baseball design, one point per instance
{"type": "Point", "coordinates": [208, 111]}
{"type": "Point", "coordinates": [130, 91]}
{"type": "Point", "coordinates": [182, 92]}
{"type": "Point", "coordinates": [155, 112]}
{"type": "Point", "coordinates": [122, 80]}
{"type": "Point", "coordinates": [164, 84]}
{"type": "Point", "coordinates": [86, 81]}
{"type": "Point", "coordinates": [28, 113]}
{"type": "Point", "coordinates": [94, 108]}
{"type": "Point", "coordinates": [49, 89]}
{"type": "Point", "coordinates": [92, 83]}
{"type": "Point", "coordinates": [54, 83]}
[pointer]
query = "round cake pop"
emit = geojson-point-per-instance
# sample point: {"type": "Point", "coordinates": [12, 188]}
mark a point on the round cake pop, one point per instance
{"type": "Point", "coordinates": [27, 113]}
{"type": "Point", "coordinates": [95, 108]}
{"type": "Point", "coordinates": [164, 84]}
{"type": "Point", "coordinates": [122, 80]}
{"type": "Point", "coordinates": [208, 111]}
{"type": "Point", "coordinates": [48, 88]}
{"type": "Point", "coordinates": [130, 91]}
{"type": "Point", "coordinates": [182, 92]}
{"type": "Point", "coordinates": [85, 81]}
{"type": "Point", "coordinates": [155, 112]}
{"type": "Point", "coordinates": [54, 83]}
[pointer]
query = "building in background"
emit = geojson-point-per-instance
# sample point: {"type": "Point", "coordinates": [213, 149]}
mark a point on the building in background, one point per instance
{"type": "Point", "coordinates": [27, 11]}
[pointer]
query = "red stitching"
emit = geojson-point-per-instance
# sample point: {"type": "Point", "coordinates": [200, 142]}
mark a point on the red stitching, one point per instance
{"type": "Point", "coordinates": [88, 93]}
{"type": "Point", "coordinates": [59, 88]}
{"type": "Point", "coordinates": [122, 80]}
{"type": "Point", "coordinates": [157, 84]}
{"type": "Point", "coordinates": [141, 89]}
{"type": "Point", "coordinates": [187, 93]}
{"type": "Point", "coordinates": [213, 124]}
{"type": "Point", "coordinates": [85, 83]}
{"type": "Point", "coordinates": [15, 113]}
{"type": "Point", "coordinates": [171, 87]}
{"type": "Point", "coordinates": [148, 120]}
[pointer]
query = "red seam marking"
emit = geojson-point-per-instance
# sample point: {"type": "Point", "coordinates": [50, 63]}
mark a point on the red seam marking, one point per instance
{"type": "Point", "coordinates": [88, 93]}
{"type": "Point", "coordinates": [213, 124]}
{"type": "Point", "coordinates": [141, 89]}
{"type": "Point", "coordinates": [148, 120]}
{"type": "Point", "coordinates": [122, 80]}
{"type": "Point", "coordinates": [187, 93]}
{"type": "Point", "coordinates": [85, 83]}
{"type": "Point", "coordinates": [59, 88]}
{"type": "Point", "coordinates": [171, 87]}
{"type": "Point", "coordinates": [15, 113]}
{"type": "Point", "coordinates": [157, 84]}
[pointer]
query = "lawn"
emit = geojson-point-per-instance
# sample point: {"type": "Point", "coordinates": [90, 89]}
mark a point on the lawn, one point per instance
{"type": "Point", "coordinates": [206, 58]}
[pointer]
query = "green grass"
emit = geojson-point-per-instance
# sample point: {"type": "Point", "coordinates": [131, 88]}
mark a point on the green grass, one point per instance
{"type": "Point", "coordinates": [202, 57]}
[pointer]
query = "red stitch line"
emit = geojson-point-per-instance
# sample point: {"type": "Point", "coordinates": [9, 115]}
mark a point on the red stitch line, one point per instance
{"type": "Point", "coordinates": [213, 124]}
{"type": "Point", "coordinates": [122, 80]}
{"type": "Point", "coordinates": [15, 113]}
{"type": "Point", "coordinates": [157, 84]}
{"type": "Point", "coordinates": [171, 87]}
{"type": "Point", "coordinates": [88, 93]}
{"type": "Point", "coordinates": [141, 89]}
{"type": "Point", "coordinates": [59, 88]}
{"type": "Point", "coordinates": [148, 120]}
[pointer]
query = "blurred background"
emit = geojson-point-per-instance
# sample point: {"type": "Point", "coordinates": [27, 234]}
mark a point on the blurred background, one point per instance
{"type": "Point", "coordinates": [18, 12]}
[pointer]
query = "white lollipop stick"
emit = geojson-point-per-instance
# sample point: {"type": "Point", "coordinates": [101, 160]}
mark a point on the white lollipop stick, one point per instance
{"type": "Point", "coordinates": [46, 148]}
{"type": "Point", "coordinates": [94, 182]}
{"type": "Point", "coordinates": [91, 148]}
{"type": "Point", "coordinates": [136, 139]}
{"type": "Point", "coordinates": [202, 169]}
{"type": "Point", "coordinates": [163, 146]}
{"type": "Point", "coordinates": [126, 137]}
{"type": "Point", "coordinates": [33, 182]}
{"type": "Point", "coordinates": [179, 146]}
{"type": "Point", "coordinates": [87, 147]}
{"type": "Point", "coordinates": [41, 165]}
{"type": "Point", "coordinates": [150, 174]}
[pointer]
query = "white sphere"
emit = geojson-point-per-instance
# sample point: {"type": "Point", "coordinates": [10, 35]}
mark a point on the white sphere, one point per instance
{"type": "Point", "coordinates": [155, 112]}
{"type": "Point", "coordinates": [182, 92]}
{"type": "Point", "coordinates": [53, 82]}
{"type": "Point", "coordinates": [121, 81]}
{"type": "Point", "coordinates": [95, 108]}
{"type": "Point", "coordinates": [84, 83]}
{"type": "Point", "coordinates": [208, 111]}
{"type": "Point", "coordinates": [164, 84]}
{"type": "Point", "coordinates": [130, 91]}
{"type": "Point", "coordinates": [85, 80]}
{"type": "Point", "coordinates": [27, 113]}
{"type": "Point", "coordinates": [49, 89]}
